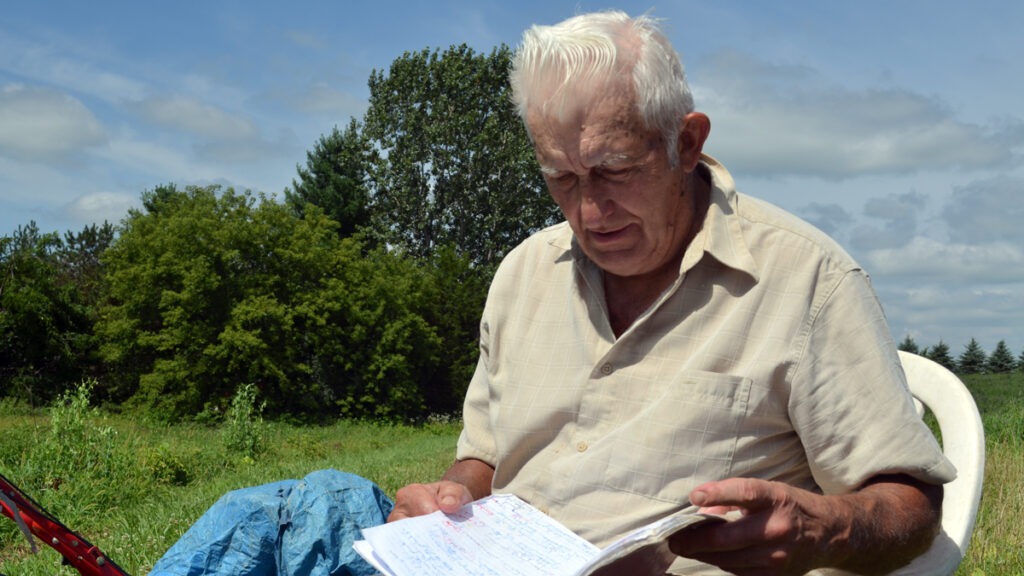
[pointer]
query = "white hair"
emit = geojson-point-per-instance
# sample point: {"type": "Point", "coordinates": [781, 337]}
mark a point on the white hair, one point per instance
{"type": "Point", "coordinates": [557, 67]}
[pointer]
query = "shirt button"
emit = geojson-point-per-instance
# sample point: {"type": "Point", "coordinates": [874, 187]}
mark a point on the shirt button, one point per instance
{"type": "Point", "coordinates": [606, 369]}
{"type": "Point", "coordinates": [581, 446]}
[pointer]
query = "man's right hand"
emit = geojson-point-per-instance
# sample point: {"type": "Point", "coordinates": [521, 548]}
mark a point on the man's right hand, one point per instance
{"type": "Point", "coordinates": [420, 499]}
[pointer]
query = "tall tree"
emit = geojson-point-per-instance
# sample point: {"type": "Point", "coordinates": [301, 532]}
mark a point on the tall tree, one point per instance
{"type": "Point", "coordinates": [335, 179]}
{"type": "Point", "coordinates": [940, 354]}
{"type": "Point", "coordinates": [79, 258]}
{"type": "Point", "coordinates": [45, 330]}
{"type": "Point", "coordinates": [455, 166]}
{"type": "Point", "coordinates": [1001, 360]}
{"type": "Point", "coordinates": [973, 359]}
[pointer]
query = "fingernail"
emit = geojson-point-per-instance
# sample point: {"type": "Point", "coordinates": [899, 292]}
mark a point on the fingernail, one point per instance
{"type": "Point", "coordinates": [698, 498]}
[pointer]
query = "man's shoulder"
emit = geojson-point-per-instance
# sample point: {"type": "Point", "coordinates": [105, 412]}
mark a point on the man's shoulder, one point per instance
{"type": "Point", "coordinates": [764, 229]}
{"type": "Point", "coordinates": [772, 228]}
{"type": "Point", "coordinates": [537, 264]}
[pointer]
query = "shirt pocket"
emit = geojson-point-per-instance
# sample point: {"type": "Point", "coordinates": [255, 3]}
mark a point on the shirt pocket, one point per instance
{"type": "Point", "coordinates": [683, 433]}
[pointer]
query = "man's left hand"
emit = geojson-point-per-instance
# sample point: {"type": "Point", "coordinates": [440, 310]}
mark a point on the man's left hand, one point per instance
{"type": "Point", "coordinates": [786, 530]}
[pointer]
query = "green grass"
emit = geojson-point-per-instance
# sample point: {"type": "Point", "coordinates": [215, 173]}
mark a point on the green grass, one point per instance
{"type": "Point", "coordinates": [997, 545]}
{"type": "Point", "coordinates": [159, 479]}
{"type": "Point", "coordinates": [134, 513]}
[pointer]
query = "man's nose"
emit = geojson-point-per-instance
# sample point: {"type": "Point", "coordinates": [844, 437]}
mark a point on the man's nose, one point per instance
{"type": "Point", "coordinates": [595, 198]}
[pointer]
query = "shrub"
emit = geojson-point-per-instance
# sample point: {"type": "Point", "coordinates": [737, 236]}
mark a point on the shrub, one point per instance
{"type": "Point", "coordinates": [76, 443]}
{"type": "Point", "coordinates": [244, 431]}
{"type": "Point", "coordinates": [166, 466]}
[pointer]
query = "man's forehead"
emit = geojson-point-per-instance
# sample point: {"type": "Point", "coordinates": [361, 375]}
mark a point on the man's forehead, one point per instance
{"type": "Point", "coordinates": [591, 141]}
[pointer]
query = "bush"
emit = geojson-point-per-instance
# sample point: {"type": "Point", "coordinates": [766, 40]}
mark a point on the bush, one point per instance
{"type": "Point", "coordinates": [244, 431]}
{"type": "Point", "coordinates": [76, 443]}
{"type": "Point", "coordinates": [165, 466]}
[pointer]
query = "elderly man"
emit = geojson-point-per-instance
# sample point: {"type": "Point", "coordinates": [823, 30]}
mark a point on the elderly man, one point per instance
{"type": "Point", "coordinates": [676, 343]}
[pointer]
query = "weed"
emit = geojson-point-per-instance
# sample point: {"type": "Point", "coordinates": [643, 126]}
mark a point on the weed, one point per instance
{"type": "Point", "coordinates": [244, 431]}
{"type": "Point", "coordinates": [166, 466]}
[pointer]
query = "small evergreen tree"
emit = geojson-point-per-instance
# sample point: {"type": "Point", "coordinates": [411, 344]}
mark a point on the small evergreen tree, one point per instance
{"type": "Point", "coordinates": [1002, 359]}
{"type": "Point", "coordinates": [973, 360]}
{"type": "Point", "coordinates": [908, 345]}
{"type": "Point", "coordinates": [335, 179]}
{"type": "Point", "coordinates": [1020, 361]}
{"type": "Point", "coordinates": [940, 354]}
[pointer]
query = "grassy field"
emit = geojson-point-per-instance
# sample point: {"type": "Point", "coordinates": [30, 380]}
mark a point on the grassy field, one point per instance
{"type": "Point", "coordinates": [134, 487]}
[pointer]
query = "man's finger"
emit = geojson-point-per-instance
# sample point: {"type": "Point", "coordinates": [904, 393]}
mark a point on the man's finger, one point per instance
{"type": "Point", "coordinates": [451, 496]}
{"type": "Point", "coordinates": [746, 493]}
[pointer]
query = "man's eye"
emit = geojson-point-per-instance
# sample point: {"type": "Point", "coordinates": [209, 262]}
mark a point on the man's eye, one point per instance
{"type": "Point", "coordinates": [616, 173]}
{"type": "Point", "coordinates": [562, 178]}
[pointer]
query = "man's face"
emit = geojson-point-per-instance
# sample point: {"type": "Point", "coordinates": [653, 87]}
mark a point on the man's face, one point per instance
{"type": "Point", "coordinates": [612, 180]}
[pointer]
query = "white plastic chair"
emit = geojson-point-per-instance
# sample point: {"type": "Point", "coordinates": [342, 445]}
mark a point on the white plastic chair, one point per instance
{"type": "Point", "coordinates": [963, 442]}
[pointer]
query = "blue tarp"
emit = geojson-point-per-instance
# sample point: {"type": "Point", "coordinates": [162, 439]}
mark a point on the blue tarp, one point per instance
{"type": "Point", "coordinates": [289, 528]}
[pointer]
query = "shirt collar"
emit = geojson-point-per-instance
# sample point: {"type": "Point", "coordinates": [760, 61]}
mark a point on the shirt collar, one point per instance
{"type": "Point", "coordinates": [721, 236]}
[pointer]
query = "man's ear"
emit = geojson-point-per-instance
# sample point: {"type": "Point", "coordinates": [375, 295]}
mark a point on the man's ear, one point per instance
{"type": "Point", "coordinates": [694, 132]}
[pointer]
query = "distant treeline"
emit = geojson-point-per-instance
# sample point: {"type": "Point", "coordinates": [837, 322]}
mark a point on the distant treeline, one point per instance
{"type": "Point", "coordinates": [973, 359]}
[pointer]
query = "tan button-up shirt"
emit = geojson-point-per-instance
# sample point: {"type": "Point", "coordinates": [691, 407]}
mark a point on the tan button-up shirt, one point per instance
{"type": "Point", "coordinates": [768, 357]}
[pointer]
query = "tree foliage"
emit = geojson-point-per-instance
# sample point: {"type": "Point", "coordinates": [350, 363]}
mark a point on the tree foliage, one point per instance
{"type": "Point", "coordinates": [211, 289]}
{"type": "Point", "coordinates": [1001, 360]}
{"type": "Point", "coordinates": [335, 179]}
{"type": "Point", "coordinates": [973, 359]}
{"type": "Point", "coordinates": [908, 345]}
{"type": "Point", "coordinates": [454, 164]}
{"type": "Point", "coordinates": [940, 354]}
{"type": "Point", "coordinates": [48, 289]}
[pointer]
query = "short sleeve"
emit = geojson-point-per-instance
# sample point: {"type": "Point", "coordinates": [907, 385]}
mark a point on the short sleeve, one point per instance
{"type": "Point", "coordinates": [477, 438]}
{"type": "Point", "coordinates": [850, 404]}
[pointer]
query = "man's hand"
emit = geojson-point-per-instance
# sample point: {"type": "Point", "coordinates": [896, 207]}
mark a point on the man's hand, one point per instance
{"type": "Point", "coordinates": [420, 499]}
{"type": "Point", "coordinates": [465, 481]}
{"type": "Point", "coordinates": [786, 530]}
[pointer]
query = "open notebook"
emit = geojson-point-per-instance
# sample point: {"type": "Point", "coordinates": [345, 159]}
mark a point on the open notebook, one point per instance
{"type": "Point", "coordinates": [503, 536]}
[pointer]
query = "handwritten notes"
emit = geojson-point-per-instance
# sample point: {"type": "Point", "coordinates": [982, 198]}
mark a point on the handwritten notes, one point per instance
{"type": "Point", "coordinates": [503, 536]}
{"type": "Point", "coordinates": [497, 536]}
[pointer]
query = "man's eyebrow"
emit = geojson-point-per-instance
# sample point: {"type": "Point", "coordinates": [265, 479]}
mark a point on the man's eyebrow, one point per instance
{"type": "Point", "coordinates": [616, 158]}
{"type": "Point", "coordinates": [611, 159]}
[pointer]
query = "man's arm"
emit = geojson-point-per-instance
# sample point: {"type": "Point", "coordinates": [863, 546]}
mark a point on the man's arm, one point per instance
{"type": "Point", "coordinates": [785, 530]}
{"type": "Point", "coordinates": [465, 481]}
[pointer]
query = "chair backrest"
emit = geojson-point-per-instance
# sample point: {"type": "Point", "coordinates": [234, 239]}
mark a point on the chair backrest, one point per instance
{"type": "Point", "coordinates": [963, 442]}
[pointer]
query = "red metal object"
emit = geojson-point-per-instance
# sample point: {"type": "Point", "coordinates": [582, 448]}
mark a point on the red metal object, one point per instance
{"type": "Point", "coordinates": [77, 551]}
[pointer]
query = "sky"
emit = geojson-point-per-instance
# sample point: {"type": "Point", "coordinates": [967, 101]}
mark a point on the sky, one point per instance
{"type": "Point", "coordinates": [895, 126]}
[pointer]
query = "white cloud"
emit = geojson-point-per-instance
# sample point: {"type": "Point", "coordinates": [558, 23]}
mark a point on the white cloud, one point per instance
{"type": "Point", "coordinates": [197, 118]}
{"type": "Point", "coordinates": [43, 124]}
{"type": "Point", "coordinates": [927, 260]}
{"type": "Point", "coordinates": [45, 60]}
{"type": "Point", "coordinates": [323, 98]}
{"type": "Point", "coordinates": [987, 211]}
{"type": "Point", "coordinates": [894, 221]}
{"type": "Point", "coordinates": [956, 313]}
{"type": "Point", "coordinates": [789, 120]}
{"type": "Point", "coordinates": [100, 207]}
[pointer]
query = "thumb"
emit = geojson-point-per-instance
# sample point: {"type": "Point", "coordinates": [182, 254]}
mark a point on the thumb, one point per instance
{"type": "Point", "coordinates": [732, 493]}
{"type": "Point", "coordinates": [451, 496]}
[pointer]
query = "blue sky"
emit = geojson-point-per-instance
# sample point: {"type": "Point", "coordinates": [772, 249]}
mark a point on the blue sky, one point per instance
{"type": "Point", "coordinates": [897, 127]}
